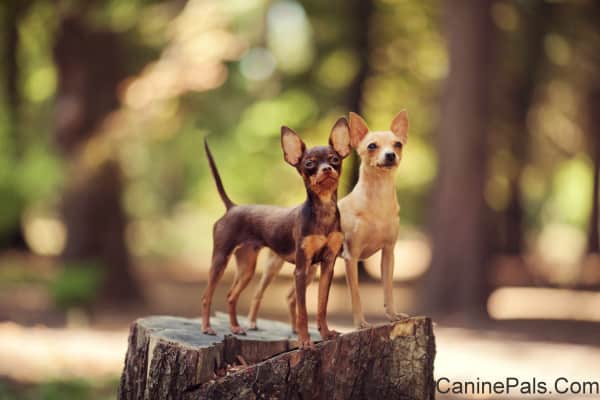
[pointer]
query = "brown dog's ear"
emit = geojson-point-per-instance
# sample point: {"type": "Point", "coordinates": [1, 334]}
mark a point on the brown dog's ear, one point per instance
{"type": "Point", "coordinates": [340, 137]}
{"type": "Point", "coordinates": [400, 126]}
{"type": "Point", "coordinates": [293, 147]}
{"type": "Point", "coordinates": [358, 129]}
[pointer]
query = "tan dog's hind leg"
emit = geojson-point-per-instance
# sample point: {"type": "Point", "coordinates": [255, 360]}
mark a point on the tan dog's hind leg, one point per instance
{"type": "Point", "coordinates": [387, 277]}
{"type": "Point", "coordinates": [274, 264]}
{"type": "Point", "coordinates": [352, 281]}
{"type": "Point", "coordinates": [246, 259]}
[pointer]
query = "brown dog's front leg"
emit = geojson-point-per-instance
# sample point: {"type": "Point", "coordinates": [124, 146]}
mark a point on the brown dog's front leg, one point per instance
{"type": "Point", "coordinates": [324, 287]}
{"type": "Point", "coordinates": [334, 244]}
{"type": "Point", "coordinates": [302, 319]}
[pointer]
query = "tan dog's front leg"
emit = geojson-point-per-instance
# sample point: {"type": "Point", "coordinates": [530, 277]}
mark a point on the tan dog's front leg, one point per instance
{"type": "Point", "coordinates": [387, 276]}
{"type": "Point", "coordinates": [352, 282]}
{"type": "Point", "coordinates": [274, 264]}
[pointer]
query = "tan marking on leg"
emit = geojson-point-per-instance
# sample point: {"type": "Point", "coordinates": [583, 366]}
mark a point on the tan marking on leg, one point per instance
{"type": "Point", "coordinates": [335, 241]}
{"type": "Point", "coordinates": [312, 244]}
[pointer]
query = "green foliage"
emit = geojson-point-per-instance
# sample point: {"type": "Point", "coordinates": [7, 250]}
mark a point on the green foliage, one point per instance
{"type": "Point", "coordinates": [77, 285]}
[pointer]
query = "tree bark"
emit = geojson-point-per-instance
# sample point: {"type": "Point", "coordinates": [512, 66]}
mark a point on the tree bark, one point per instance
{"type": "Point", "coordinates": [168, 358]}
{"type": "Point", "coordinates": [456, 281]}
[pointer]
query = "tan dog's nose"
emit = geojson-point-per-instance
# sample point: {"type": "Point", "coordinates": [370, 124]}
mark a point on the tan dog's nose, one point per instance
{"type": "Point", "coordinates": [390, 157]}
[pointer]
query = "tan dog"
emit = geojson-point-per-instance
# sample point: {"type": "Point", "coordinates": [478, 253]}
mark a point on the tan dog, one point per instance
{"type": "Point", "coordinates": [369, 216]}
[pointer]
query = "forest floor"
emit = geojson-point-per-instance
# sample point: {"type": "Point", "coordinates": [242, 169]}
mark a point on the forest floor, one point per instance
{"type": "Point", "coordinates": [49, 354]}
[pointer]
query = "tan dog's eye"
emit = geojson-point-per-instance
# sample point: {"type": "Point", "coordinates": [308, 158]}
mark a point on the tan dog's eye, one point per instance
{"type": "Point", "coordinates": [372, 146]}
{"type": "Point", "coordinates": [334, 159]}
{"type": "Point", "coordinates": [398, 145]}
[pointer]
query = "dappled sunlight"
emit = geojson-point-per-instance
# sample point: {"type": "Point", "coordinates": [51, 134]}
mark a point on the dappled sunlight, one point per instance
{"type": "Point", "coordinates": [544, 303]}
{"type": "Point", "coordinates": [289, 36]}
{"type": "Point", "coordinates": [560, 248]}
{"type": "Point", "coordinates": [44, 235]}
{"type": "Point", "coordinates": [193, 59]}
{"type": "Point", "coordinates": [39, 353]}
{"type": "Point", "coordinates": [411, 259]}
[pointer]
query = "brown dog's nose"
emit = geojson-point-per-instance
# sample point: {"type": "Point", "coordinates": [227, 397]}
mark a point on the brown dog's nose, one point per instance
{"type": "Point", "coordinates": [390, 157]}
{"type": "Point", "coordinates": [327, 169]}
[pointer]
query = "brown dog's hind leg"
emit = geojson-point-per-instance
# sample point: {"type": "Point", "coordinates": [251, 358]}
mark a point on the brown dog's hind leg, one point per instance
{"type": "Point", "coordinates": [245, 257]}
{"type": "Point", "coordinates": [274, 264]}
{"type": "Point", "coordinates": [219, 262]}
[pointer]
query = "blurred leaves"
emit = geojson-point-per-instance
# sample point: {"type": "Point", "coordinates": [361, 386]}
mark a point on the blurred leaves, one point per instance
{"type": "Point", "coordinates": [235, 71]}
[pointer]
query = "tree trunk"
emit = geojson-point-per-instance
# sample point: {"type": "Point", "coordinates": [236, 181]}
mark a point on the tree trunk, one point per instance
{"type": "Point", "coordinates": [530, 54]}
{"type": "Point", "coordinates": [12, 11]}
{"type": "Point", "coordinates": [89, 70]}
{"type": "Point", "coordinates": [168, 358]}
{"type": "Point", "coordinates": [456, 281]}
{"type": "Point", "coordinates": [594, 137]}
{"type": "Point", "coordinates": [361, 12]}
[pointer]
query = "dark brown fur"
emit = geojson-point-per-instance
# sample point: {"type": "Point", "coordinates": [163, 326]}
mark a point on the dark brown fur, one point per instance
{"type": "Point", "coordinates": [245, 229]}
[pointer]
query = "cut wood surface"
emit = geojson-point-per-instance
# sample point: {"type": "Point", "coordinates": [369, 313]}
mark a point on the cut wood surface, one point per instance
{"type": "Point", "coordinates": [169, 358]}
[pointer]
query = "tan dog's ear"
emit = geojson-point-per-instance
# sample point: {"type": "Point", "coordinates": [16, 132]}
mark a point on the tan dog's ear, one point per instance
{"type": "Point", "coordinates": [400, 126]}
{"type": "Point", "coordinates": [358, 129]}
{"type": "Point", "coordinates": [293, 147]}
{"type": "Point", "coordinates": [340, 137]}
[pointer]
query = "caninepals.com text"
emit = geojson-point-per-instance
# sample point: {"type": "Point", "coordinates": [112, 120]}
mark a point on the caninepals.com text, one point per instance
{"type": "Point", "coordinates": [514, 386]}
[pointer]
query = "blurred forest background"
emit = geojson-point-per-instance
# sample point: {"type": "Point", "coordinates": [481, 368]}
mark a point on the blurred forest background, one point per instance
{"type": "Point", "coordinates": [107, 204]}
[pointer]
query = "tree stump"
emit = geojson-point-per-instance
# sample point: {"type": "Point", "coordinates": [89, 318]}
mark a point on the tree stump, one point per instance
{"type": "Point", "coordinates": [169, 358]}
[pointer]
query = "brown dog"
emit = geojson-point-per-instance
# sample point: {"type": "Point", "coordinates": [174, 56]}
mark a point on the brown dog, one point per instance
{"type": "Point", "coordinates": [304, 235]}
{"type": "Point", "coordinates": [369, 217]}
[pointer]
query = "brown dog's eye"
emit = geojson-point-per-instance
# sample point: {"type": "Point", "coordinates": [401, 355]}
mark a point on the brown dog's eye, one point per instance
{"type": "Point", "coordinates": [309, 164]}
{"type": "Point", "coordinates": [334, 159]}
{"type": "Point", "coordinates": [398, 145]}
{"type": "Point", "coordinates": [372, 146]}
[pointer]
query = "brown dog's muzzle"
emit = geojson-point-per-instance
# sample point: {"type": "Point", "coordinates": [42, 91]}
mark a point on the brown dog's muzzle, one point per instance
{"type": "Point", "coordinates": [325, 180]}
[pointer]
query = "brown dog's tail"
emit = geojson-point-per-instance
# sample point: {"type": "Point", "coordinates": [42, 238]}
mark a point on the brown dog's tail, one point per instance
{"type": "Point", "coordinates": [215, 173]}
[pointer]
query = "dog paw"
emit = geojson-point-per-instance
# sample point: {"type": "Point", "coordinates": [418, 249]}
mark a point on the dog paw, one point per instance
{"type": "Point", "coordinates": [332, 334]}
{"type": "Point", "coordinates": [364, 325]}
{"type": "Point", "coordinates": [209, 331]}
{"type": "Point", "coordinates": [397, 316]}
{"type": "Point", "coordinates": [304, 343]}
{"type": "Point", "coordinates": [238, 330]}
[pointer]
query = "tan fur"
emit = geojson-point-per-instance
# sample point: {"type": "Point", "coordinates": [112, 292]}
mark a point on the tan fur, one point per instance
{"type": "Point", "coordinates": [312, 244]}
{"type": "Point", "coordinates": [369, 213]}
{"type": "Point", "coordinates": [335, 241]}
